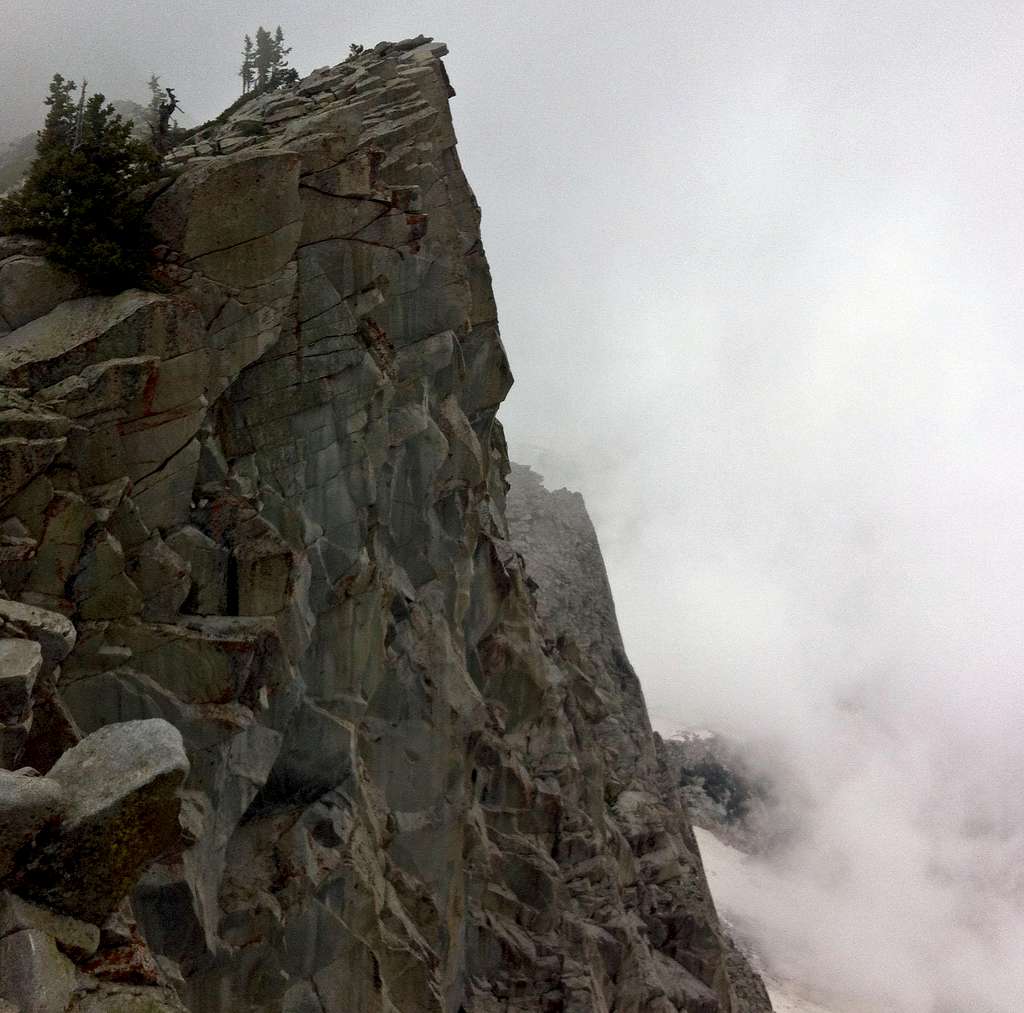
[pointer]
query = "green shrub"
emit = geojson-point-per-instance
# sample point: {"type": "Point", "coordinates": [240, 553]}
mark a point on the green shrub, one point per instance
{"type": "Point", "coordinates": [82, 194]}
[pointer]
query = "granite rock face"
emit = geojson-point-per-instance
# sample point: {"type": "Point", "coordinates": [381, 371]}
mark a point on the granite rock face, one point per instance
{"type": "Point", "coordinates": [266, 506]}
{"type": "Point", "coordinates": [553, 532]}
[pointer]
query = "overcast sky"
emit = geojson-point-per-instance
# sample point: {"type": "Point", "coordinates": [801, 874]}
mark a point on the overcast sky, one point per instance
{"type": "Point", "coordinates": [758, 266]}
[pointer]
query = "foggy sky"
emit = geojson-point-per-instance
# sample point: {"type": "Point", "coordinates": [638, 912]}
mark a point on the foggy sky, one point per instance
{"type": "Point", "coordinates": [758, 266]}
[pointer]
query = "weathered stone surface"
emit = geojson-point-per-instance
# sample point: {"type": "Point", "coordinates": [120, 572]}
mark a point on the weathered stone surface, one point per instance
{"type": "Point", "coordinates": [163, 578]}
{"type": "Point", "coordinates": [20, 246]}
{"type": "Point", "coordinates": [235, 219]}
{"type": "Point", "coordinates": [67, 520]}
{"type": "Point", "coordinates": [79, 940]}
{"type": "Point", "coordinates": [27, 805]}
{"type": "Point", "coordinates": [162, 498]}
{"type": "Point", "coordinates": [13, 740]}
{"type": "Point", "coordinates": [55, 633]}
{"type": "Point", "coordinates": [101, 589]}
{"type": "Point", "coordinates": [30, 287]}
{"type": "Point", "coordinates": [16, 542]}
{"type": "Point", "coordinates": [84, 332]}
{"type": "Point", "coordinates": [415, 785]}
{"type": "Point", "coordinates": [104, 997]}
{"type": "Point", "coordinates": [20, 663]}
{"type": "Point", "coordinates": [24, 416]}
{"type": "Point", "coordinates": [265, 566]}
{"type": "Point", "coordinates": [121, 784]}
{"type": "Point", "coordinates": [34, 976]}
{"type": "Point", "coordinates": [208, 570]}
{"type": "Point", "coordinates": [556, 537]}
{"type": "Point", "coordinates": [22, 459]}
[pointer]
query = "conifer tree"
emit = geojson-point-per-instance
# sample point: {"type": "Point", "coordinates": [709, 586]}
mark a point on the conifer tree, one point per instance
{"type": "Point", "coordinates": [157, 97]}
{"type": "Point", "coordinates": [264, 58]}
{"type": "Point", "coordinates": [266, 62]}
{"type": "Point", "coordinates": [59, 127]}
{"type": "Point", "coordinates": [81, 194]}
{"type": "Point", "coordinates": [248, 71]}
{"type": "Point", "coordinates": [279, 63]}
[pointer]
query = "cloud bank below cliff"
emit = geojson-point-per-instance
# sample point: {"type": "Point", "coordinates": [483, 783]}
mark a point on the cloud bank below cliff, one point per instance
{"type": "Point", "coordinates": [758, 272]}
{"type": "Point", "coordinates": [794, 337]}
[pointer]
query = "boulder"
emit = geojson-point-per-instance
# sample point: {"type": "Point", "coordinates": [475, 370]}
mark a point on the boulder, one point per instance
{"type": "Point", "coordinates": [117, 509]}
{"type": "Point", "coordinates": [110, 997]}
{"type": "Point", "coordinates": [122, 786]}
{"type": "Point", "coordinates": [23, 416]}
{"type": "Point", "coordinates": [134, 413]}
{"type": "Point", "coordinates": [83, 332]}
{"type": "Point", "coordinates": [208, 562]}
{"type": "Point", "coordinates": [34, 975]}
{"type": "Point", "coordinates": [30, 287]}
{"type": "Point", "coordinates": [27, 805]}
{"type": "Point", "coordinates": [68, 518]}
{"type": "Point", "coordinates": [55, 633]}
{"type": "Point", "coordinates": [79, 940]}
{"type": "Point", "coordinates": [21, 246]}
{"type": "Point", "coordinates": [16, 542]}
{"type": "Point", "coordinates": [20, 663]}
{"type": "Point", "coordinates": [163, 578]}
{"type": "Point", "coordinates": [101, 588]}
{"type": "Point", "coordinates": [22, 459]}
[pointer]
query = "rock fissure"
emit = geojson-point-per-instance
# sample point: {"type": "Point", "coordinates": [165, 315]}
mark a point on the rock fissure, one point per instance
{"type": "Point", "coordinates": [381, 201]}
{"type": "Point", "coordinates": [241, 242]}
{"type": "Point", "coordinates": [365, 734]}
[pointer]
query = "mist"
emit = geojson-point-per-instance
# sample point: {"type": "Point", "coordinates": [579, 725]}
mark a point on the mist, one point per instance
{"type": "Point", "coordinates": [796, 351]}
{"type": "Point", "coordinates": [758, 271]}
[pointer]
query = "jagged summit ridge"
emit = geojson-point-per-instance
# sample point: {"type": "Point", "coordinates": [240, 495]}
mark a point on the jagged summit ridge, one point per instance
{"type": "Point", "coordinates": [267, 507]}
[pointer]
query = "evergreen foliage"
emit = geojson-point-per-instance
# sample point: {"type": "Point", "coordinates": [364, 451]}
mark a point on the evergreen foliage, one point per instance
{"type": "Point", "coordinates": [81, 194]}
{"type": "Point", "coordinates": [157, 96]}
{"type": "Point", "coordinates": [248, 71]}
{"type": "Point", "coordinates": [162, 104]}
{"type": "Point", "coordinates": [265, 62]}
{"type": "Point", "coordinates": [264, 57]}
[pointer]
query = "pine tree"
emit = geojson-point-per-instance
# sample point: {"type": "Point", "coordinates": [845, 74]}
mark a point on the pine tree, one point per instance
{"type": "Point", "coordinates": [264, 59]}
{"type": "Point", "coordinates": [81, 194]}
{"type": "Point", "coordinates": [265, 65]}
{"type": "Point", "coordinates": [59, 127]}
{"type": "Point", "coordinates": [279, 69]}
{"type": "Point", "coordinates": [248, 71]}
{"type": "Point", "coordinates": [157, 97]}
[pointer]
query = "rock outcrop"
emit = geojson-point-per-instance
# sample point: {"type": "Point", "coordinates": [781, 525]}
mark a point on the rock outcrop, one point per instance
{"type": "Point", "coordinates": [264, 506]}
{"type": "Point", "coordinates": [72, 846]}
{"type": "Point", "coordinates": [727, 790]}
{"type": "Point", "coordinates": [553, 532]}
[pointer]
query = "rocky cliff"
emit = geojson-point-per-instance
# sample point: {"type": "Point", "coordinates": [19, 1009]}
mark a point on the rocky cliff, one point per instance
{"type": "Point", "coordinates": [268, 639]}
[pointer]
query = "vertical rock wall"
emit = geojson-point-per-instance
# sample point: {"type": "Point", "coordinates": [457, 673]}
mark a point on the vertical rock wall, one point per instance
{"type": "Point", "coordinates": [554, 534]}
{"type": "Point", "coordinates": [270, 498]}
